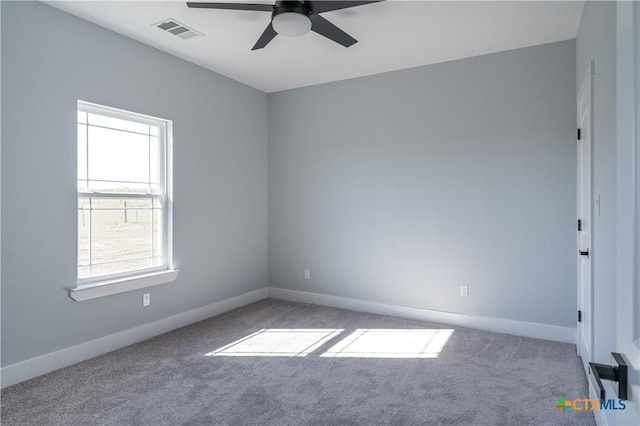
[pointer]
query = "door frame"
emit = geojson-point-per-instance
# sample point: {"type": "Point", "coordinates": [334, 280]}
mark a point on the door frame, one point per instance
{"type": "Point", "coordinates": [627, 315]}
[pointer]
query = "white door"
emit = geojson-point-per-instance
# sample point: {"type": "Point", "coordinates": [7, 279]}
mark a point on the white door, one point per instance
{"type": "Point", "coordinates": [628, 210]}
{"type": "Point", "coordinates": [585, 286]}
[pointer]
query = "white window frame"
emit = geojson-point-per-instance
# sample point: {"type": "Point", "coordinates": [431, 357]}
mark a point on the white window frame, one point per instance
{"type": "Point", "coordinates": [93, 287]}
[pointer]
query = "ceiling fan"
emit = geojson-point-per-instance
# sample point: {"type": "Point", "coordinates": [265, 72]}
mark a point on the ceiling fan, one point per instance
{"type": "Point", "coordinates": [294, 18]}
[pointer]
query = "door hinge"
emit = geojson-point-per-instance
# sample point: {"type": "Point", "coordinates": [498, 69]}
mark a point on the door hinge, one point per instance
{"type": "Point", "coordinates": [579, 225]}
{"type": "Point", "coordinates": [579, 316]}
{"type": "Point", "coordinates": [579, 134]}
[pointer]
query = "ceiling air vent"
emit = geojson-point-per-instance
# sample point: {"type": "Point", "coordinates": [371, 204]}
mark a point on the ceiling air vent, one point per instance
{"type": "Point", "coordinates": [176, 28]}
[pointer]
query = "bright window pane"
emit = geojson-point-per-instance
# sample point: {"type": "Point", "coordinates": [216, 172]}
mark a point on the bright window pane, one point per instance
{"type": "Point", "coordinates": [84, 227]}
{"type": "Point", "coordinates": [130, 187]}
{"type": "Point", "coordinates": [155, 163]}
{"type": "Point", "coordinates": [114, 236]}
{"type": "Point", "coordinates": [82, 152]}
{"type": "Point", "coordinates": [157, 248]}
{"type": "Point", "coordinates": [118, 157]}
{"type": "Point", "coordinates": [123, 234]}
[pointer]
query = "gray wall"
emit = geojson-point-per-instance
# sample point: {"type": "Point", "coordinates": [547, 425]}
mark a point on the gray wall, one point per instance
{"type": "Point", "coordinates": [398, 188]}
{"type": "Point", "coordinates": [394, 188]}
{"type": "Point", "coordinates": [597, 41]}
{"type": "Point", "coordinates": [50, 60]}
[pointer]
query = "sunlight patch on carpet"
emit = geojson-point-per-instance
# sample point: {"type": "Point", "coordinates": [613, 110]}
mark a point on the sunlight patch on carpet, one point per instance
{"type": "Point", "coordinates": [278, 342]}
{"type": "Point", "coordinates": [391, 343]}
{"type": "Point", "coordinates": [361, 343]}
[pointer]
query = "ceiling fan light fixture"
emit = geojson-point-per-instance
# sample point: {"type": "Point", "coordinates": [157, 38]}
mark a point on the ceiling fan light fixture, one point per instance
{"type": "Point", "coordinates": [291, 24]}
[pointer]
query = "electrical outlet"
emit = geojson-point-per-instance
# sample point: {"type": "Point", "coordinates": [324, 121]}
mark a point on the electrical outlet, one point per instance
{"type": "Point", "coordinates": [146, 299]}
{"type": "Point", "coordinates": [307, 274]}
{"type": "Point", "coordinates": [464, 291]}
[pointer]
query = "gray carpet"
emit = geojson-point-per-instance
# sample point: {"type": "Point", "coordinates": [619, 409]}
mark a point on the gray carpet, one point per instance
{"type": "Point", "coordinates": [474, 377]}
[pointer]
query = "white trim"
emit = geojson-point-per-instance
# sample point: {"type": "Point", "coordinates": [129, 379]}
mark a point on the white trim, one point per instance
{"type": "Point", "coordinates": [34, 367]}
{"type": "Point", "coordinates": [120, 285]}
{"type": "Point", "coordinates": [122, 114]}
{"type": "Point", "coordinates": [499, 325]}
{"type": "Point", "coordinates": [600, 417]}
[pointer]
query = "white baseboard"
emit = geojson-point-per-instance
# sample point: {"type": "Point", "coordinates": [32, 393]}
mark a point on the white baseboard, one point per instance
{"type": "Point", "coordinates": [499, 325]}
{"type": "Point", "coordinates": [34, 367]}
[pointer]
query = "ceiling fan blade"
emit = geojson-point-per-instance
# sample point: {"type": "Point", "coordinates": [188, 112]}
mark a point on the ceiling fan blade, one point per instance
{"type": "Point", "coordinates": [330, 31]}
{"type": "Point", "coordinates": [327, 6]}
{"type": "Point", "coordinates": [232, 6]}
{"type": "Point", "coordinates": [268, 35]}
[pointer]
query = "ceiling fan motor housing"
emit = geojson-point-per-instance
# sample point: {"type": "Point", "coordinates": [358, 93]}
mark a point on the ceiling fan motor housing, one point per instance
{"type": "Point", "coordinates": [295, 18]}
{"type": "Point", "coordinates": [291, 18]}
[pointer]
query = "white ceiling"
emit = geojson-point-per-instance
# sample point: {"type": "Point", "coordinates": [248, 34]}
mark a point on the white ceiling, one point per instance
{"type": "Point", "coordinates": [391, 35]}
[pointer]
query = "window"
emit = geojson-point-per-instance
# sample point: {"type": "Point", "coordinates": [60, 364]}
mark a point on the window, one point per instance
{"type": "Point", "coordinates": [124, 195]}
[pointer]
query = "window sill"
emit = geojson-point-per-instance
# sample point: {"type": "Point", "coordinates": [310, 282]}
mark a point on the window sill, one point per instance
{"type": "Point", "coordinates": [120, 285]}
